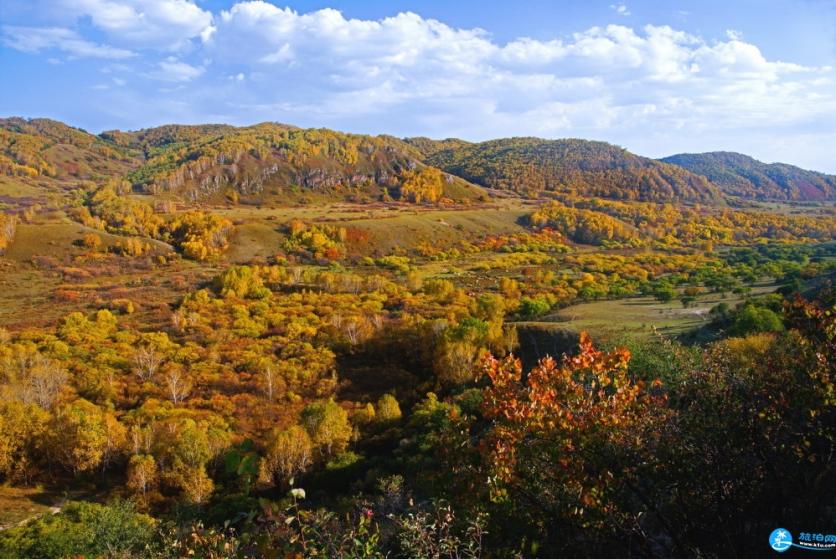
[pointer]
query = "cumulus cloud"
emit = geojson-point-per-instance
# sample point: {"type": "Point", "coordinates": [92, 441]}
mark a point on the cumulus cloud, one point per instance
{"type": "Point", "coordinates": [160, 24]}
{"type": "Point", "coordinates": [151, 23]}
{"type": "Point", "coordinates": [604, 76]}
{"type": "Point", "coordinates": [37, 39]}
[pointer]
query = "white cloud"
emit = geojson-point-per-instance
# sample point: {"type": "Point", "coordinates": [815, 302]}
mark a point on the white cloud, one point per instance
{"type": "Point", "coordinates": [173, 70]}
{"type": "Point", "coordinates": [600, 77]}
{"type": "Point", "coordinates": [734, 34]}
{"type": "Point", "coordinates": [159, 24]}
{"type": "Point", "coordinates": [620, 9]}
{"type": "Point", "coordinates": [283, 54]}
{"type": "Point", "coordinates": [37, 39]}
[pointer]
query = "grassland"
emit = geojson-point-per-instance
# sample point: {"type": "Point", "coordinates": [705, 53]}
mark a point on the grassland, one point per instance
{"type": "Point", "coordinates": [389, 226]}
{"type": "Point", "coordinates": [45, 259]}
{"type": "Point", "coordinates": [45, 274]}
{"type": "Point", "coordinates": [18, 504]}
{"type": "Point", "coordinates": [644, 316]}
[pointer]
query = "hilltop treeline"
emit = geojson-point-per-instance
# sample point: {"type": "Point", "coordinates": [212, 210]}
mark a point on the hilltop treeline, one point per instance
{"type": "Point", "coordinates": [597, 222]}
{"type": "Point", "coordinates": [743, 176]}
{"type": "Point", "coordinates": [532, 167]}
{"type": "Point", "coordinates": [218, 162]}
{"type": "Point", "coordinates": [248, 160]}
{"type": "Point", "coordinates": [47, 148]}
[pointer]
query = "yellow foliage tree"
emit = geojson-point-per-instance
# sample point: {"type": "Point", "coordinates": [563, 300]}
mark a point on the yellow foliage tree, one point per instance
{"type": "Point", "coordinates": [288, 454]}
{"type": "Point", "coordinates": [83, 436]}
{"type": "Point", "coordinates": [426, 185]}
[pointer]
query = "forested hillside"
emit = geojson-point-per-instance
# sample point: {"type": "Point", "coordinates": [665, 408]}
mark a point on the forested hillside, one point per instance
{"type": "Point", "coordinates": [253, 164]}
{"type": "Point", "coordinates": [46, 148]}
{"type": "Point", "coordinates": [744, 176]}
{"type": "Point", "coordinates": [269, 161]}
{"type": "Point", "coordinates": [272, 159]}
{"type": "Point", "coordinates": [534, 167]}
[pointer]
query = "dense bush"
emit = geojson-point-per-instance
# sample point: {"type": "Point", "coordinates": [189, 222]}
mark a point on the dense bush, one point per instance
{"type": "Point", "coordinates": [82, 529]}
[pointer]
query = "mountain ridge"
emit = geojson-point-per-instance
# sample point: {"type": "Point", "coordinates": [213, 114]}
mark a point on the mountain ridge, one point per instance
{"type": "Point", "coordinates": [535, 167]}
{"type": "Point", "coordinates": [206, 161]}
{"type": "Point", "coordinates": [742, 175]}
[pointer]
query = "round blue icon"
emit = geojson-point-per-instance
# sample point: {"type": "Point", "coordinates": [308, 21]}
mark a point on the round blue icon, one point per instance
{"type": "Point", "coordinates": [780, 540]}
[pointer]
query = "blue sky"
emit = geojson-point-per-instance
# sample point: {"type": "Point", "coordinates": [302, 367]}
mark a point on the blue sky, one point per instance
{"type": "Point", "coordinates": [657, 77]}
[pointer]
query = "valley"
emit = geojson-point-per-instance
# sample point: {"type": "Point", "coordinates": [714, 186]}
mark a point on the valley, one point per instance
{"type": "Point", "coordinates": [198, 322]}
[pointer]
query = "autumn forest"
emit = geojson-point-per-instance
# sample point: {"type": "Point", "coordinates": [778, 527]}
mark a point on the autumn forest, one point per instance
{"type": "Point", "coordinates": [271, 341]}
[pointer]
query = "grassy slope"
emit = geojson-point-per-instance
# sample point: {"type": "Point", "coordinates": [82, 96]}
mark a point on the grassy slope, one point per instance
{"type": "Point", "coordinates": [259, 230]}
{"type": "Point", "coordinates": [18, 504]}
{"type": "Point", "coordinates": [44, 261]}
{"type": "Point", "coordinates": [606, 320]}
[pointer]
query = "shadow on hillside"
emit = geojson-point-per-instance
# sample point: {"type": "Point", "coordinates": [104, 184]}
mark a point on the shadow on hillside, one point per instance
{"type": "Point", "coordinates": [542, 339]}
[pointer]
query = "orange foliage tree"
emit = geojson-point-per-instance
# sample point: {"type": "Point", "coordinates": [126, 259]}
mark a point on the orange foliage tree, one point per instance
{"type": "Point", "coordinates": [566, 440]}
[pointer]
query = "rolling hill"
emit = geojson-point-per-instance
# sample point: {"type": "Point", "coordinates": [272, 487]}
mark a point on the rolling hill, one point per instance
{"type": "Point", "coordinates": [271, 162]}
{"type": "Point", "coordinates": [255, 164]}
{"type": "Point", "coordinates": [252, 163]}
{"type": "Point", "coordinates": [533, 167]}
{"type": "Point", "coordinates": [740, 175]}
{"type": "Point", "coordinates": [48, 148]}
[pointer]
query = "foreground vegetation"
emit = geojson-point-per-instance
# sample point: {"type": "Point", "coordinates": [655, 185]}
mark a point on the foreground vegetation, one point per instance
{"type": "Point", "coordinates": [526, 464]}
